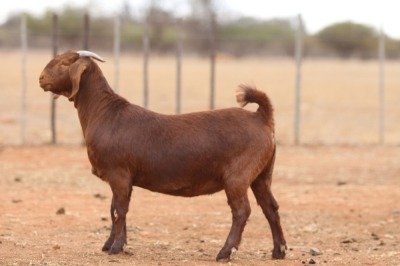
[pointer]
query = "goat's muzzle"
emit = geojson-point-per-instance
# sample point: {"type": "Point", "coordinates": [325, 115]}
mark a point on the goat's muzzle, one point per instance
{"type": "Point", "coordinates": [43, 84]}
{"type": "Point", "coordinates": [46, 86]}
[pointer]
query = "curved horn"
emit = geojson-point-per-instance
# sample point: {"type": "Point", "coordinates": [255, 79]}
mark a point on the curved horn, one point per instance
{"type": "Point", "coordinates": [84, 53]}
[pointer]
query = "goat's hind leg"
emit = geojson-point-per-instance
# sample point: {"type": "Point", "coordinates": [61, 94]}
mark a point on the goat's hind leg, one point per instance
{"type": "Point", "coordinates": [240, 206]}
{"type": "Point", "coordinates": [110, 240]}
{"type": "Point", "coordinates": [262, 191]}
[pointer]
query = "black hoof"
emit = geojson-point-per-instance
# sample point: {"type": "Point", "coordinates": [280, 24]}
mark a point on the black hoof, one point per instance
{"type": "Point", "coordinates": [226, 255]}
{"type": "Point", "coordinates": [107, 246]}
{"type": "Point", "coordinates": [115, 249]}
{"type": "Point", "coordinates": [279, 252]}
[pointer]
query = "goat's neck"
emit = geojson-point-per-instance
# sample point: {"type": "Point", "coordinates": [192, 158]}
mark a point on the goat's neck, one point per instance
{"type": "Point", "coordinates": [93, 97]}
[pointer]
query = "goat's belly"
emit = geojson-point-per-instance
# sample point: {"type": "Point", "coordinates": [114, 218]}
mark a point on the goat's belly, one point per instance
{"type": "Point", "coordinates": [185, 190]}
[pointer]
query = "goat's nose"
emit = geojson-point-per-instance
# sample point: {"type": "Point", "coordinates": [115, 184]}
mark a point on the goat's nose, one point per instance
{"type": "Point", "coordinates": [41, 77]}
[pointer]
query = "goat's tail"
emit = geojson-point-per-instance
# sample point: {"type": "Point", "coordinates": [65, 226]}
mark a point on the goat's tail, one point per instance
{"type": "Point", "coordinates": [249, 94]}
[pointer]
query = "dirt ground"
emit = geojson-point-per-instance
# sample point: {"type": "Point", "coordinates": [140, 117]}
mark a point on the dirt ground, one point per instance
{"type": "Point", "coordinates": [341, 200]}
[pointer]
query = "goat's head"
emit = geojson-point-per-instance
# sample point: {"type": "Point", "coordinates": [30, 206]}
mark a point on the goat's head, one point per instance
{"type": "Point", "coordinates": [63, 73]}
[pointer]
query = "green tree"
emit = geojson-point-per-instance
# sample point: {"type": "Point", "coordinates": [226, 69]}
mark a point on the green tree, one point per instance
{"type": "Point", "coordinates": [349, 39]}
{"type": "Point", "coordinates": [248, 35]}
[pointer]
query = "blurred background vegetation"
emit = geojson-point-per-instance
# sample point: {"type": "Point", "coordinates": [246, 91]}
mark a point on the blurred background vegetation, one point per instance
{"type": "Point", "coordinates": [240, 36]}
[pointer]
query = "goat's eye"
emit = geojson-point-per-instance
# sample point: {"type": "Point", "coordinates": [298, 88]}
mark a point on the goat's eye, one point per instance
{"type": "Point", "coordinates": [64, 63]}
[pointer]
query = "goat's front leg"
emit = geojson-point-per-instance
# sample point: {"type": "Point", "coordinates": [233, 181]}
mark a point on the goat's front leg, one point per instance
{"type": "Point", "coordinates": [240, 213]}
{"type": "Point", "coordinates": [110, 240]}
{"type": "Point", "coordinates": [122, 190]}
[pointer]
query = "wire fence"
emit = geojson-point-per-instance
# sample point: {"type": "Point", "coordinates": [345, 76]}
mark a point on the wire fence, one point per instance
{"type": "Point", "coordinates": [299, 108]}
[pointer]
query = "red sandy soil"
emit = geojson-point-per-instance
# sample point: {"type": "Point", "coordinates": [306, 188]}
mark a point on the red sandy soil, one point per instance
{"type": "Point", "coordinates": [342, 200]}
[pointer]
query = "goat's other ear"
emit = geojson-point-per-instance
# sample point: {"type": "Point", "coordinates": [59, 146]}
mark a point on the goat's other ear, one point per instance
{"type": "Point", "coordinates": [75, 72]}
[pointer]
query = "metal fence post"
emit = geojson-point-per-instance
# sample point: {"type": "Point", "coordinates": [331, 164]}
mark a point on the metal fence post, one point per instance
{"type": "Point", "coordinates": [178, 65]}
{"type": "Point", "coordinates": [299, 55]}
{"type": "Point", "coordinates": [52, 100]}
{"type": "Point", "coordinates": [24, 50]}
{"type": "Point", "coordinates": [86, 32]}
{"type": "Point", "coordinates": [117, 50]}
{"type": "Point", "coordinates": [146, 51]}
{"type": "Point", "coordinates": [213, 32]}
{"type": "Point", "coordinates": [381, 53]}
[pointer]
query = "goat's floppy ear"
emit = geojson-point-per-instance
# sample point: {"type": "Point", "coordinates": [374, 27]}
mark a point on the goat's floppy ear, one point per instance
{"type": "Point", "coordinates": [75, 72]}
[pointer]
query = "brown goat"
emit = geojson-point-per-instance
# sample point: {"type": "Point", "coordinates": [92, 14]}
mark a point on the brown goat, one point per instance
{"type": "Point", "coordinates": [183, 155]}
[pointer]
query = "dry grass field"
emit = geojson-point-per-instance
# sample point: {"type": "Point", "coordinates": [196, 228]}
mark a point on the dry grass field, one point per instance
{"type": "Point", "coordinates": [339, 100]}
{"type": "Point", "coordinates": [342, 199]}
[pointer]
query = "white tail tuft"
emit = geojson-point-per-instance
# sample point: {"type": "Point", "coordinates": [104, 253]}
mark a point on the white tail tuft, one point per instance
{"type": "Point", "coordinates": [240, 97]}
